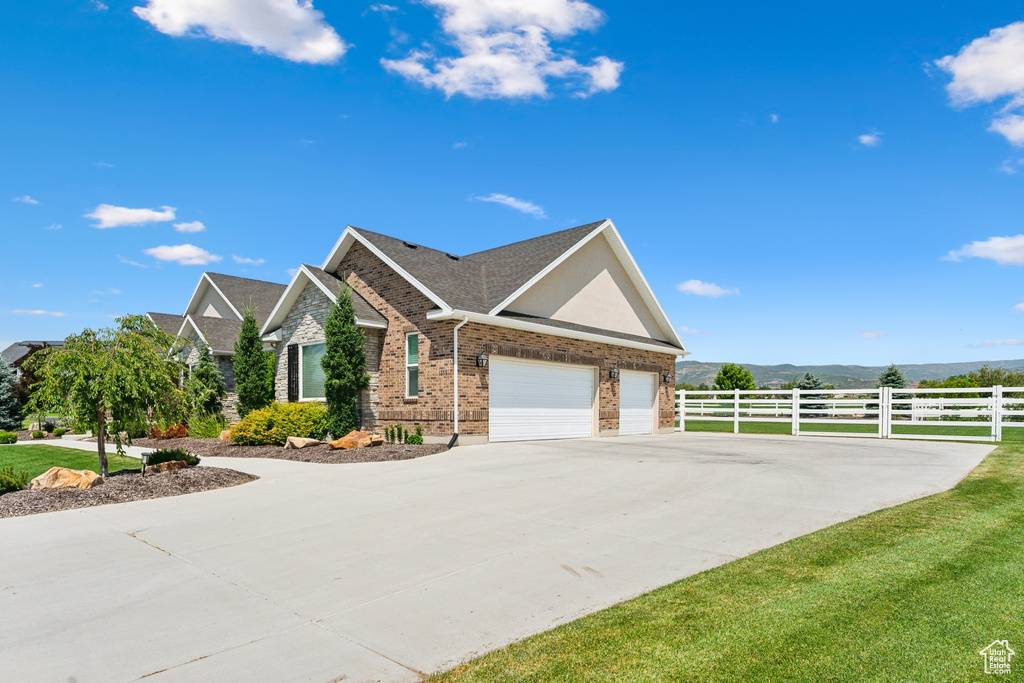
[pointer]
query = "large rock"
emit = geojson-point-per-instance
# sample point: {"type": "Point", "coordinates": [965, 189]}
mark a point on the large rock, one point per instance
{"type": "Point", "coordinates": [357, 440]}
{"type": "Point", "coordinates": [169, 466]}
{"type": "Point", "coordinates": [63, 478]}
{"type": "Point", "coordinates": [300, 442]}
{"type": "Point", "coordinates": [225, 435]}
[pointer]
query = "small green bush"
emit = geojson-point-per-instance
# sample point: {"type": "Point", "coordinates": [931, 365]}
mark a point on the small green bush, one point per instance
{"type": "Point", "coordinates": [206, 426]}
{"type": "Point", "coordinates": [37, 434]}
{"type": "Point", "coordinates": [275, 423]}
{"type": "Point", "coordinates": [8, 437]}
{"type": "Point", "coordinates": [12, 481]}
{"type": "Point", "coordinates": [172, 454]}
{"type": "Point", "coordinates": [414, 439]}
{"type": "Point", "coordinates": [59, 431]}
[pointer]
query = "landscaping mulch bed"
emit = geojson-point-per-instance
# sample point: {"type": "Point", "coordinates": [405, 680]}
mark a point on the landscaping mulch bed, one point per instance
{"type": "Point", "coordinates": [122, 487]}
{"type": "Point", "coordinates": [26, 435]}
{"type": "Point", "coordinates": [322, 453]}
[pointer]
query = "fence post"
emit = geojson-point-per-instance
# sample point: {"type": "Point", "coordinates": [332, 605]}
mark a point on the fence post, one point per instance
{"type": "Point", "coordinates": [796, 412]}
{"type": "Point", "coordinates": [735, 411]}
{"type": "Point", "coordinates": [997, 413]}
{"type": "Point", "coordinates": [681, 397]}
{"type": "Point", "coordinates": [881, 413]}
{"type": "Point", "coordinates": [888, 412]}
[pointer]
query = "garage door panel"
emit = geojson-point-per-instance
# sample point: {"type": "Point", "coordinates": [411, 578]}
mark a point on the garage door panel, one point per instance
{"type": "Point", "coordinates": [535, 400]}
{"type": "Point", "coordinates": [636, 402]}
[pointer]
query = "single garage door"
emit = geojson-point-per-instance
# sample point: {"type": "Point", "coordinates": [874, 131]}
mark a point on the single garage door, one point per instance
{"type": "Point", "coordinates": [636, 402]}
{"type": "Point", "coordinates": [537, 400]}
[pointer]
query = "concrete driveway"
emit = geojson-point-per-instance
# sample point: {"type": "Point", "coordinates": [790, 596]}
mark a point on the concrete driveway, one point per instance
{"type": "Point", "coordinates": [382, 571]}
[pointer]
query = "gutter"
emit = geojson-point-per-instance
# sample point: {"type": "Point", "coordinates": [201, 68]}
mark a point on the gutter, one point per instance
{"type": "Point", "coordinates": [455, 436]}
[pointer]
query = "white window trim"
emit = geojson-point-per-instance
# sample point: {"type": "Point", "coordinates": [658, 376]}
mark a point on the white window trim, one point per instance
{"type": "Point", "coordinates": [303, 399]}
{"type": "Point", "coordinates": [407, 366]}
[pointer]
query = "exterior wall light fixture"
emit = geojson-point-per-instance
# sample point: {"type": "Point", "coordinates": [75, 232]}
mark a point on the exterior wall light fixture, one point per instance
{"type": "Point", "coordinates": [481, 360]}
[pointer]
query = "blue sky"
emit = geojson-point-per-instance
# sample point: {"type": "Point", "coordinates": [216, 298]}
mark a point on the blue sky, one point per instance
{"type": "Point", "coordinates": [799, 183]}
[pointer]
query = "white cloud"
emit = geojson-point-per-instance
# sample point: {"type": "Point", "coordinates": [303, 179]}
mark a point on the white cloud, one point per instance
{"type": "Point", "coordinates": [689, 330]}
{"type": "Point", "coordinates": [1019, 307]}
{"type": "Point", "coordinates": [1002, 342]}
{"type": "Point", "coordinates": [1006, 251]}
{"type": "Point", "coordinates": [54, 226]}
{"type": "Point", "coordinates": [248, 261]}
{"type": "Point", "coordinates": [775, 118]}
{"type": "Point", "coordinates": [55, 314]}
{"type": "Point", "coordinates": [460, 145]}
{"type": "Point", "coordinates": [698, 288]}
{"type": "Point", "coordinates": [25, 199]}
{"type": "Point", "coordinates": [103, 164]}
{"type": "Point", "coordinates": [99, 6]}
{"type": "Point", "coordinates": [871, 335]}
{"type": "Point", "coordinates": [290, 29]}
{"type": "Point", "coordinates": [122, 259]}
{"type": "Point", "coordinates": [872, 139]}
{"type": "Point", "coordinates": [514, 203]}
{"type": "Point", "coordinates": [991, 68]}
{"type": "Point", "coordinates": [1009, 166]}
{"type": "Point", "coordinates": [37, 285]}
{"type": "Point", "coordinates": [109, 216]}
{"type": "Point", "coordinates": [193, 226]}
{"type": "Point", "coordinates": [183, 254]}
{"type": "Point", "coordinates": [505, 50]}
{"type": "Point", "coordinates": [379, 7]}
{"type": "Point", "coordinates": [291, 272]}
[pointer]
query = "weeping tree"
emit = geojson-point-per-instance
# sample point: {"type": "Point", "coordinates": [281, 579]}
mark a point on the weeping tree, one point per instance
{"type": "Point", "coordinates": [204, 388]}
{"type": "Point", "coordinates": [344, 365]}
{"type": "Point", "coordinates": [109, 379]}
{"type": "Point", "coordinates": [253, 380]}
{"type": "Point", "coordinates": [10, 407]}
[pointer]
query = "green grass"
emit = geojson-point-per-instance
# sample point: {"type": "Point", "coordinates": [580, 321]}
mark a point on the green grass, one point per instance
{"type": "Point", "coordinates": [911, 593]}
{"type": "Point", "coordinates": [35, 418]}
{"type": "Point", "coordinates": [37, 459]}
{"type": "Point", "coordinates": [924, 429]}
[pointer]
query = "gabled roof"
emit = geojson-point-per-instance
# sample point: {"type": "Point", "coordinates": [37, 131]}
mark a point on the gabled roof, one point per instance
{"type": "Point", "coordinates": [486, 282]}
{"type": "Point", "coordinates": [18, 350]}
{"type": "Point", "coordinates": [331, 286]}
{"type": "Point", "coordinates": [238, 293]}
{"type": "Point", "coordinates": [168, 322]}
{"type": "Point", "coordinates": [219, 334]}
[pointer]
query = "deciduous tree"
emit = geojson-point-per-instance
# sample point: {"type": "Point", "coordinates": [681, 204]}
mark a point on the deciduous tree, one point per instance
{"type": "Point", "coordinates": [731, 377]}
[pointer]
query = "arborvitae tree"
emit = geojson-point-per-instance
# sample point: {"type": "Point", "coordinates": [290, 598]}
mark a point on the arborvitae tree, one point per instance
{"type": "Point", "coordinates": [204, 388]}
{"type": "Point", "coordinates": [731, 377]}
{"type": "Point", "coordinates": [344, 365]}
{"type": "Point", "coordinates": [10, 407]}
{"type": "Point", "coordinates": [252, 381]}
{"type": "Point", "coordinates": [892, 377]}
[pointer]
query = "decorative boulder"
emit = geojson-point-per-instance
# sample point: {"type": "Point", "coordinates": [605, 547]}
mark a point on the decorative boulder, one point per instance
{"type": "Point", "coordinates": [62, 478]}
{"type": "Point", "coordinates": [354, 440]}
{"type": "Point", "coordinates": [299, 442]}
{"type": "Point", "coordinates": [169, 466]}
{"type": "Point", "coordinates": [225, 435]}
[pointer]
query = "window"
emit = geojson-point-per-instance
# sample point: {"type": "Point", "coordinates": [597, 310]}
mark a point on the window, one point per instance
{"type": "Point", "coordinates": [412, 365]}
{"type": "Point", "coordinates": [311, 377]}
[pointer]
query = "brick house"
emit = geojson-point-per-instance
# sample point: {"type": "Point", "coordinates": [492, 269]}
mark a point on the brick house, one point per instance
{"type": "Point", "coordinates": [214, 316]}
{"type": "Point", "coordinates": [559, 336]}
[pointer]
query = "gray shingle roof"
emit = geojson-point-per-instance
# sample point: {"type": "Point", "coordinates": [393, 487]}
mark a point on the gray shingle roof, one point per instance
{"type": "Point", "coordinates": [18, 350]}
{"type": "Point", "coordinates": [363, 309]}
{"type": "Point", "coordinates": [243, 291]}
{"type": "Point", "coordinates": [168, 322]}
{"type": "Point", "coordinates": [220, 333]}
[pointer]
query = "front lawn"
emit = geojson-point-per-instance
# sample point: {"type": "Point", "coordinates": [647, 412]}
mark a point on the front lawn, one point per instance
{"type": "Point", "coordinates": [919, 428]}
{"type": "Point", "coordinates": [37, 459]}
{"type": "Point", "coordinates": [911, 593]}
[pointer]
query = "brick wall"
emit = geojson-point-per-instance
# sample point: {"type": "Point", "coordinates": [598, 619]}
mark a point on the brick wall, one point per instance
{"type": "Point", "coordinates": [304, 324]}
{"type": "Point", "coordinates": [405, 308]}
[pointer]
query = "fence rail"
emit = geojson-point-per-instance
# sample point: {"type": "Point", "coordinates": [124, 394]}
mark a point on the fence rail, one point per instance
{"type": "Point", "coordinates": [974, 414]}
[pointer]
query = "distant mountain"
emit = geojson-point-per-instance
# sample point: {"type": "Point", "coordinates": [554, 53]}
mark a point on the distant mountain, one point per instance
{"type": "Point", "coordinates": [841, 376]}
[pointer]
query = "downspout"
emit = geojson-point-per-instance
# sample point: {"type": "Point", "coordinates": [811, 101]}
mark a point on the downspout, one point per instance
{"type": "Point", "coordinates": [465, 320]}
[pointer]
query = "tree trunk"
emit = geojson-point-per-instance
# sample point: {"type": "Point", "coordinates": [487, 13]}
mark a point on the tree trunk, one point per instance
{"type": "Point", "coordinates": [101, 438]}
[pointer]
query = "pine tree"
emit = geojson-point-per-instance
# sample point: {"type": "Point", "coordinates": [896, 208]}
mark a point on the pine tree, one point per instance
{"type": "Point", "coordinates": [252, 381]}
{"type": "Point", "coordinates": [892, 377]}
{"type": "Point", "coordinates": [204, 388]}
{"type": "Point", "coordinates": [10, 407]}
{"type": "Point", "coordinates": [344, 365]}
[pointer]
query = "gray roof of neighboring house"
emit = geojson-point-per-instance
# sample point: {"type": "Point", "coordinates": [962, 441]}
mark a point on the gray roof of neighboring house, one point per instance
{"type": "Point", "coordinates": [478, 282]}
{"type": "Point", "coordinates": [168, 322]}
{"type": "Point", "coordinates": [18, 350]}
{"type": "Point", "coordinates": [243, 291]}
{"type": "Point", "coordinates": [220, 333]}
{"type": "Point", "coordinates": [363, 309]}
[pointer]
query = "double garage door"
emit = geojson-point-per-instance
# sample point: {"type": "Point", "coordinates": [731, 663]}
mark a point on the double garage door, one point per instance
{"type": "Point", "coordinates": [539, 400]}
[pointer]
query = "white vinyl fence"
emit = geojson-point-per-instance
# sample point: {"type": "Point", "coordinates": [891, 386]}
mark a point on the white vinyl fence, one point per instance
{"type": "Point", "coordinates": [975, 414]}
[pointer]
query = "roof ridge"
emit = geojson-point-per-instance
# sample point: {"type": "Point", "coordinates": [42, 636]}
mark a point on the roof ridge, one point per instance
{"type": "Point", "coordinates": [593, 224]}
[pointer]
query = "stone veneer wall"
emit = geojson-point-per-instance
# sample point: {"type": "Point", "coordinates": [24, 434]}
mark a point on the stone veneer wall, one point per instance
{"type": "Point", "coordinates": [304, 324]}
{"type": "Point", "coordinates": [405, 308]}
{"type": "Point", "coordinates": [227, 370]}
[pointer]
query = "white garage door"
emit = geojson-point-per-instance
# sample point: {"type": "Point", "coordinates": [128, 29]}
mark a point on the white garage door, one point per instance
{"type": "Point", "coordinates": [536, 400]}
{"type": "Point", "coordinates": [636, 402]}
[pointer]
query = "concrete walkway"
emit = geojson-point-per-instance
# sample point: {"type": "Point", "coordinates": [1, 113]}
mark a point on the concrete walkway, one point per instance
{"type": "Point", "coordinates": [382, 571]}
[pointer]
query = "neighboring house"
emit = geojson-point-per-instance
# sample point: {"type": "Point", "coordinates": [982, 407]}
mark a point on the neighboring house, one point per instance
{"type": "Point", "coordinates": [214, 315]}
{"type": "Point", "coordinates": [559, 336]}
{"type": "Point", "coordinates": [18, 352]}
